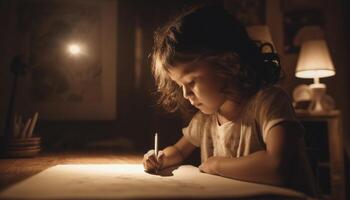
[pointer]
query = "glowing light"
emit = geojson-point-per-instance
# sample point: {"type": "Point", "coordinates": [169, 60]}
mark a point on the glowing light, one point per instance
{"type": "Point", "coordinates": [74, 49]}
{"type": "Point", "coordinates": [103, 168]}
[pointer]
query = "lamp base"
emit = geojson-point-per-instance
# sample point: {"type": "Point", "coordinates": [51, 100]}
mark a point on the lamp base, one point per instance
{"type": "Point", "coordinates": [321, 102]}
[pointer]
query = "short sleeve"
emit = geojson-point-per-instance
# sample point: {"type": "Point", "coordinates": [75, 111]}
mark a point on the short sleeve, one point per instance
{"type": "Point", "coordinates": [273, 107]}
{"type": "Point", "coordinates": [193, 132]}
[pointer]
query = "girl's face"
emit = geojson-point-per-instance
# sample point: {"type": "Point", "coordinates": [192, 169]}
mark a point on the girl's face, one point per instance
{"type": "Point", "coordinates": [199, 85]}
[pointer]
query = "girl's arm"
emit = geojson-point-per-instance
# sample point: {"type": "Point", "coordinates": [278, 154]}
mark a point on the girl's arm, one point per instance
{"type": "Point", "coordinates": [177, 153]}
{"type": "Point", "coordinates": [269, 166]}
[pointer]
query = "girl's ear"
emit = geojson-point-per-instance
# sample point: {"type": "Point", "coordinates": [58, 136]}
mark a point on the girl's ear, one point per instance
{"type": "Point", "coordinates": [226, 85]}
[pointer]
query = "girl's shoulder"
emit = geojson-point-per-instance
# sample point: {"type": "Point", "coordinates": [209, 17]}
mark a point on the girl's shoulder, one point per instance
{"type": "Point", "coordinates": [272, 90]}
{"type": "Point", "coordinates": [267, 98]}
{"type": "Point", "coordinates": [272, 93]}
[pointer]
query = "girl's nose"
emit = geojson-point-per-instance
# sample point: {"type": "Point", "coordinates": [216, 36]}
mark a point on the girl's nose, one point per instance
{"type": "Point", "coordinates": [186, 92]}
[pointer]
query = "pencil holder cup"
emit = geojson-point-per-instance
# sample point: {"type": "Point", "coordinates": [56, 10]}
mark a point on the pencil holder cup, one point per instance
{"type": "Point", "coordinates": [23, 147]}
{"type": "Point", "coordinates": [22, 142]}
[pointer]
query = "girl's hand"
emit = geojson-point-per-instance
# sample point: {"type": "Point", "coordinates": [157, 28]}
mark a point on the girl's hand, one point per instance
{"type": "Point", "coordinates": [151, 163]}
{"type": "Point", "coordinates": [209, 166]}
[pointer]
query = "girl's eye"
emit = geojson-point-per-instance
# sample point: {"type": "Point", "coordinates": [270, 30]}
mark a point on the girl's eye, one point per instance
{"type": "Point", "coordinates": [191, 83]}
{"type": "Point", "coordinates": [176, 83]}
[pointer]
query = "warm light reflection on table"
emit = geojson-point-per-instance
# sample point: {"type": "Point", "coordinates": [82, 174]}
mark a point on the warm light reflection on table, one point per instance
{"type": "Point", "coordinates": [130, 181]}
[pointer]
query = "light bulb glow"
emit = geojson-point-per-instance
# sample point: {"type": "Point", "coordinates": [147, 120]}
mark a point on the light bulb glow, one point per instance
{"type": "Point", "coordinates": [74, 49]}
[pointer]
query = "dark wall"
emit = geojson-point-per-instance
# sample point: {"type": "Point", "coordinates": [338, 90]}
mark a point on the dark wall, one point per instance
{"type": "Point", "coordinates": [137, 114]}
{"type": "Point", "coordinates": [138, 111]}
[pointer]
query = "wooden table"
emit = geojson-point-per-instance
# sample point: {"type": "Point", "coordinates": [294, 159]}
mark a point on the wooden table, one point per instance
{"type": "Point", "coordinates": [14, 170]}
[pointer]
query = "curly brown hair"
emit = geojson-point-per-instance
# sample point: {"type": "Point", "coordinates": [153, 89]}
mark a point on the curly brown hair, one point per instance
{"type": "Point", "coordinates": [210, 34]}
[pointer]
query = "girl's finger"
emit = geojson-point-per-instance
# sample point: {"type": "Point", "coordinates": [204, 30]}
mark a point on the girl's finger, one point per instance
{"type": "Point", "coordinates": [153, 158]}
{"type": "Point", "coordinates": [161, 155]}
{"type": "Point", "coordinates": [150, 165]}
{"type": "Point", "coordinates": [145, 165]}
{"type": "Point", "coordinates": [150, 153]}
{"type": "Point", "coordinates": [152, 161]}
{"type": "Point", "coordinates": [201, 168]}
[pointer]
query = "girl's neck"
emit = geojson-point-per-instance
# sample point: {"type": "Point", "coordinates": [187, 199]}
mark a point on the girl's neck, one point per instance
{"type": "Point", "coordinates": [229, 111]}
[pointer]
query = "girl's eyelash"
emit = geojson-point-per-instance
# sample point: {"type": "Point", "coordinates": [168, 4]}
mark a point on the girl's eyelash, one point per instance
{"type": "Point", "coordinates": [176, 83]}
{"type": "Point", "coordinates": [191, 83]}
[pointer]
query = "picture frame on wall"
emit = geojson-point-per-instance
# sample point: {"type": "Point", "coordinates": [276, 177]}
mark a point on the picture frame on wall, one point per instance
{"type": "Point", "coordinates": [71, 53]}
{"type": "Point", "coordinates": [300, 26]}
{"type": "Point", "coordinates": [249, 12]}
{"type": "Point", "coordinates": [302, 21]}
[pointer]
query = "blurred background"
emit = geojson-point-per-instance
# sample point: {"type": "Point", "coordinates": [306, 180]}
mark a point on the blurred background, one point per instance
{"type": "Point", "coordinates": [88, 73]}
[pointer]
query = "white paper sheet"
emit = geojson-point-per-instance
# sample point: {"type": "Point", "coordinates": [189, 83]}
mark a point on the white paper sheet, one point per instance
{"type": "Point", "coordinates": [129, 181]}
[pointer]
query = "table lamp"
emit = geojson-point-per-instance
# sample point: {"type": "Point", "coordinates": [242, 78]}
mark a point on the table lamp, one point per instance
{"type": "Point", "coordinates": [315, 62]}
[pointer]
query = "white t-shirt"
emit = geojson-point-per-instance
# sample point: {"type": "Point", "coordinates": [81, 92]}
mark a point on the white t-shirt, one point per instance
{"type": "Point", "coordinates": [247, 135]}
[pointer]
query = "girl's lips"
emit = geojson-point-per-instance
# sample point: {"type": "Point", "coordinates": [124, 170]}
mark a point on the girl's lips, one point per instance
{"type": "Point", "coordinates": [197, 104]}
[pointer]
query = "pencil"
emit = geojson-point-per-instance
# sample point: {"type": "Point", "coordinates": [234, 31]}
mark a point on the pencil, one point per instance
{"type": "Point", "coordinates": [25, 128]}
{"type": "Point", "coordinates": [156, 145]}
{"type": "Point", "coordinates": [156, 148]}
{"type": "Point", "coordinates": [32, 125]}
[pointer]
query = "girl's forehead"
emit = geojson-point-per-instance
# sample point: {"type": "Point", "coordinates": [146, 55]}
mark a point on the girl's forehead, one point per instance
{"type": "Point", "coordinates": [180, 70]}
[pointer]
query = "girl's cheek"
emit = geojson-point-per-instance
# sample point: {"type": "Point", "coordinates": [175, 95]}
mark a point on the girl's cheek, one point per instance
{"type": "Point", "coordinates": [196, 90]}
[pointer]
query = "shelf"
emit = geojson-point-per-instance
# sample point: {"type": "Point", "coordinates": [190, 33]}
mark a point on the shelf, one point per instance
{"type": "Point", "coordinates": [324, 145]}
{"type": "Point", "coordinates": [305, 114]}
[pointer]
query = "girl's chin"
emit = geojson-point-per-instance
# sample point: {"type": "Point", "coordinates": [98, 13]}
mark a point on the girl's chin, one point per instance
{"type": "Point", "coordinates": [207, 111]}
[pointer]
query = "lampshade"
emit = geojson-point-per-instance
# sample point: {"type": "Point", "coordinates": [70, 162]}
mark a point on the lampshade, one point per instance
{"type": "Point", "coordinates": [314, 60]}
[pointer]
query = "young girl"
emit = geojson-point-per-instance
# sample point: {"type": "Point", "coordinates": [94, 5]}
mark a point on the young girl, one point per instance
{"type": "Point", "coordinates": [245, 127]}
